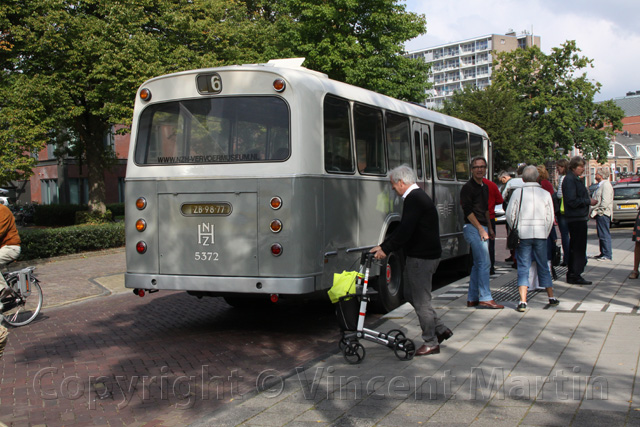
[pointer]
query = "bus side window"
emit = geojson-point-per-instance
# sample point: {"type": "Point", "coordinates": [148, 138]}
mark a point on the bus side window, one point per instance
{"type": "Point", "coordinates": [369, 140]}
{"type": "Point", "coordinates": [461, 153]}
{"type": "Point", "coordinates": [427, 155]}
{"type": "Point", "coordinates": [338, 154]}
{"type": "Point", "coordinates": [475, 146]}
{"type": "Point", "coordinates": [398, 140]}
{"type": "Point", "coordinates": [416, 144]}
{"type": "Point", "coordinates": [444, 156]}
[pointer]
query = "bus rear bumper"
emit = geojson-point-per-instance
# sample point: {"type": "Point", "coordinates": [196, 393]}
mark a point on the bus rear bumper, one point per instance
{"type": "Point", "coordinates": [223, 285]}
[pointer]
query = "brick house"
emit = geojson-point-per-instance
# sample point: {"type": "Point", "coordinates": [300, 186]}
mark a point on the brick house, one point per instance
{"type": "Point", "coordinates": [65, 181]}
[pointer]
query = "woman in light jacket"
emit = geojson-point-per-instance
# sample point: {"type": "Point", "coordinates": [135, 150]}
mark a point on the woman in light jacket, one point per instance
{"type": "Point", "coordinates": [531, 212]}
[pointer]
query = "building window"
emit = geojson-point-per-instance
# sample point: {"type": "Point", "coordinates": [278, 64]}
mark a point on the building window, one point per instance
{"type": "Point", "coordinates": [121, 189]}
{"type": "Point", "coordinates": [78, 191]}
{"type": "Point", "coordinates": [49, 191]}
{"type": "Point", "coordinates": [51, 151]}
{"type": "Point", "coordinates": [109, 139]}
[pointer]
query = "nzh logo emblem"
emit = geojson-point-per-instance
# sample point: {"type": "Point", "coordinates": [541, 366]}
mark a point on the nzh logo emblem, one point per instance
{"type": "Point", "coordinates": [205, 234]}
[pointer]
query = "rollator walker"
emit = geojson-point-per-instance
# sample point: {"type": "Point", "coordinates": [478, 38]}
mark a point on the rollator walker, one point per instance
{"type": "Point", "coordinates": [351, 310]}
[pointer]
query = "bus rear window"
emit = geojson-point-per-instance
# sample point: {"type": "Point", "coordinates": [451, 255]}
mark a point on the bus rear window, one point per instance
{"type": "Point", "coordinates": [214, 130]}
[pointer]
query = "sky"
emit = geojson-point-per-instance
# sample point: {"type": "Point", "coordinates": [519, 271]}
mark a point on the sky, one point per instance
{"type": "Point", "coordinates": [605, 31]}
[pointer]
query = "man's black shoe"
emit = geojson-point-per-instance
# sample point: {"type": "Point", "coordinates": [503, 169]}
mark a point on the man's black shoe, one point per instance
{"type": "Point", "coordinates": [579, 281]}
{"type": "Point", "coordinates": [563, 264]}
{"type": "Point", "coordinates": [510, 259]}
{"type": "Point", "coordinates": [444, 336]}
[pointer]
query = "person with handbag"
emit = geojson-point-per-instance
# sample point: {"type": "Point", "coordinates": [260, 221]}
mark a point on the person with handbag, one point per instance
{"type": "Point", "coordinates": [543, 180]}
{"type": "Point", "coordinates": [530, 214]}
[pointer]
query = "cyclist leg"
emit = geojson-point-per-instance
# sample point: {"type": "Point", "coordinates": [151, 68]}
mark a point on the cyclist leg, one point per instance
{"type": "Point", "coordinates": [8, 253]}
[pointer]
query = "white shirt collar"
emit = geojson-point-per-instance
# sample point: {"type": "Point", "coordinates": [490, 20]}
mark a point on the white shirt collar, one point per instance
{"type": "Point", "coordinates": [409, 190]}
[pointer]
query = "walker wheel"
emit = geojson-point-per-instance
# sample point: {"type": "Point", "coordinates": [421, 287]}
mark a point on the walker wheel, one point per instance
{"type": "Point", "coordinates": [344, 342]}
{"type": "Point", "coordinates": [354, 353]}
{"type": "Point", "coordinates": [395, 335]}
{"type": "Point", "coordinates": [404, 349]}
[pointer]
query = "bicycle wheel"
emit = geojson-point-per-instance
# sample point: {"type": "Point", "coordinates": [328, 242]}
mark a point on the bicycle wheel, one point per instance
{"type": "Point", "coordinates": [20, 311]}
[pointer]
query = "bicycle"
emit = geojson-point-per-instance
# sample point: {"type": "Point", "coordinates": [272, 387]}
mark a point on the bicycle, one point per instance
{"type": "Point", "coordinates": [24, 301]}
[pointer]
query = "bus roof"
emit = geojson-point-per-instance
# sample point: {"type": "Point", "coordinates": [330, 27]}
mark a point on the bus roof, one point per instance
{"type": "Point", "coordinates": [292, 70]}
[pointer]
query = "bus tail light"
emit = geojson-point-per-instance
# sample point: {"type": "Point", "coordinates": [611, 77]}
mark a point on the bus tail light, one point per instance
{"type": "Point", "coordinates": [141, 203]}
{"type": "Point", "coordinates": [279, 85]}
{"type": "Point", "coordinates": [274, 297]}
{"type": "Point", "coordinates": [275, 202]}
{"type": "Point", "coordinates": [145, 94]}
{"type": "Point", "coordinates": [276, 226]}
{"type": "Point", "coordinates": [141, 224]}
{"type": "Point", "coordinates": [141, 247]}
{"type": "Point", "coordinates": [276, 249]}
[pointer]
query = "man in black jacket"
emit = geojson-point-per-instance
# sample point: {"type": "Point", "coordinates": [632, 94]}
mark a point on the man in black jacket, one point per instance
{"type": "Point", "coordinates": [418, 234]}
{"type": "Point", "coordinates": [576, 214]}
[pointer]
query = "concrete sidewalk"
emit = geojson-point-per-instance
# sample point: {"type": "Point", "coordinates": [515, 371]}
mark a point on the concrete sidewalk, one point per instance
{"type": "Point", "coordinates": [575, 364]}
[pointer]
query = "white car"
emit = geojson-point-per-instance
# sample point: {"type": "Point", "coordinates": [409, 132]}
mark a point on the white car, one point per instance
{"type": "Point", "coordinates": [501, 218]}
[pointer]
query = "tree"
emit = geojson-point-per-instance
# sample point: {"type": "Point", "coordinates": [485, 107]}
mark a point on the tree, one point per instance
{"type": "Point", "coordinates": [557, 101]}
{"type": "Point", "coordinates": [70, 70]}
{"type": "Point", "coordinates": [356, 42]}
{"type": "Point", "coordinates": [498, 113]}
{"type": "Point", "coordinates": [539, 106]}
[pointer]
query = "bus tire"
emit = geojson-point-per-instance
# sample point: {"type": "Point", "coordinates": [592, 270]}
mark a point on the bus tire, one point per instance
{"type": "Point", "coordinates": [390, 284]}
{"type": "Point", "coordinates": [248, 303]}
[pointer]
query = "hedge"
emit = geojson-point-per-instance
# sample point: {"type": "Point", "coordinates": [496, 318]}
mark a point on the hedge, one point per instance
{"type": "Point", "coordinates": [50, 242]}
{"type": "Point", "coordinates": [56, 215]}
{"type": "Point", "coordinates": [61, 215]}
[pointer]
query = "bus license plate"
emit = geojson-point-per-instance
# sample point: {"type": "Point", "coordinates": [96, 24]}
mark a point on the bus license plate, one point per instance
{"type": "Point", "coordinates": [628, 206]}
{"type": "Point", "coordinates": [206, 209]}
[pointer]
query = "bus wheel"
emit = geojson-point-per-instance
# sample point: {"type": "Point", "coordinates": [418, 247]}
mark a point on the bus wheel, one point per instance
{"type": "Point", "coordinates": [389, 284]}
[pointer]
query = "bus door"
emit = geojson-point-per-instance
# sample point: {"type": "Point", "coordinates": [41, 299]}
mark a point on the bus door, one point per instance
{"type": "Point", "coordinates": [422, 149]}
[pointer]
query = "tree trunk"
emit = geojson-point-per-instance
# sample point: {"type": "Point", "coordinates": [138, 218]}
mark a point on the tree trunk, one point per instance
{"type": "Point", "coordinates": [95, 170]}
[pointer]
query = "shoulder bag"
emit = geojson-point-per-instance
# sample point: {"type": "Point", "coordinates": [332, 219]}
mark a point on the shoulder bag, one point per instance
{"type": "Point", "coordinates": [513, 239]}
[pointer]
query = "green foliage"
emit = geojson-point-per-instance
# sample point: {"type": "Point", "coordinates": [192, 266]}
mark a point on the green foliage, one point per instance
{"type": "Point", "coordinates": [51, 242]}
{"type": "Point", "coordinates": [356, 42]}
{"type": "Point", "coordinates": [557, 101]}
{"type": "Point", "coordinates": [498, 113]}
{"type": "Point", "coordinates": [93, 217]}
{"type": "Point", "coordinates": [71, 69]}
{"type": "Point", "coordinates": [539, 107]}
{"type": "Point", "coordinates": [56, 215]}
{"type": "Point", "coordinates": [116, 208]}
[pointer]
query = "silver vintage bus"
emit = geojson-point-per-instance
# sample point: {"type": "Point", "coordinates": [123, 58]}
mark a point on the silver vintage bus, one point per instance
{"type": "Point", "coordinates": [259, 181]}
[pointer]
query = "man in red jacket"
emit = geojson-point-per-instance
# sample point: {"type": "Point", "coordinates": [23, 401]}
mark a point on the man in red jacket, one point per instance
{"type": "Point", "coordinates": [495, 198]}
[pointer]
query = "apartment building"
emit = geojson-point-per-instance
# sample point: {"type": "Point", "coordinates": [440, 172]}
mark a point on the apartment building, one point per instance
{"type": "Point", "coordinates": [467, 62]}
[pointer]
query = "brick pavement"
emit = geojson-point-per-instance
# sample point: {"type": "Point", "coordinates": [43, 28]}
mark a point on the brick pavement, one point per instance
{"type": "Point", "coordinates": [576, 364]}
{"type": "Point", "coordinates": [164, 359]}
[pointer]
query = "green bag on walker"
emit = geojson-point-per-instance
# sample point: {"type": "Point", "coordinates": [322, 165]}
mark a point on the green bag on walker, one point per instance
{"type": "Point", "coordinates": [343, 283]}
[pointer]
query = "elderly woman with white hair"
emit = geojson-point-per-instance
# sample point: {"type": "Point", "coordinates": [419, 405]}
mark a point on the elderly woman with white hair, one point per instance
{"type": "Point", "coordinates": [602, 213]}
{"type": "Point", "coordinates": [530, 211]}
